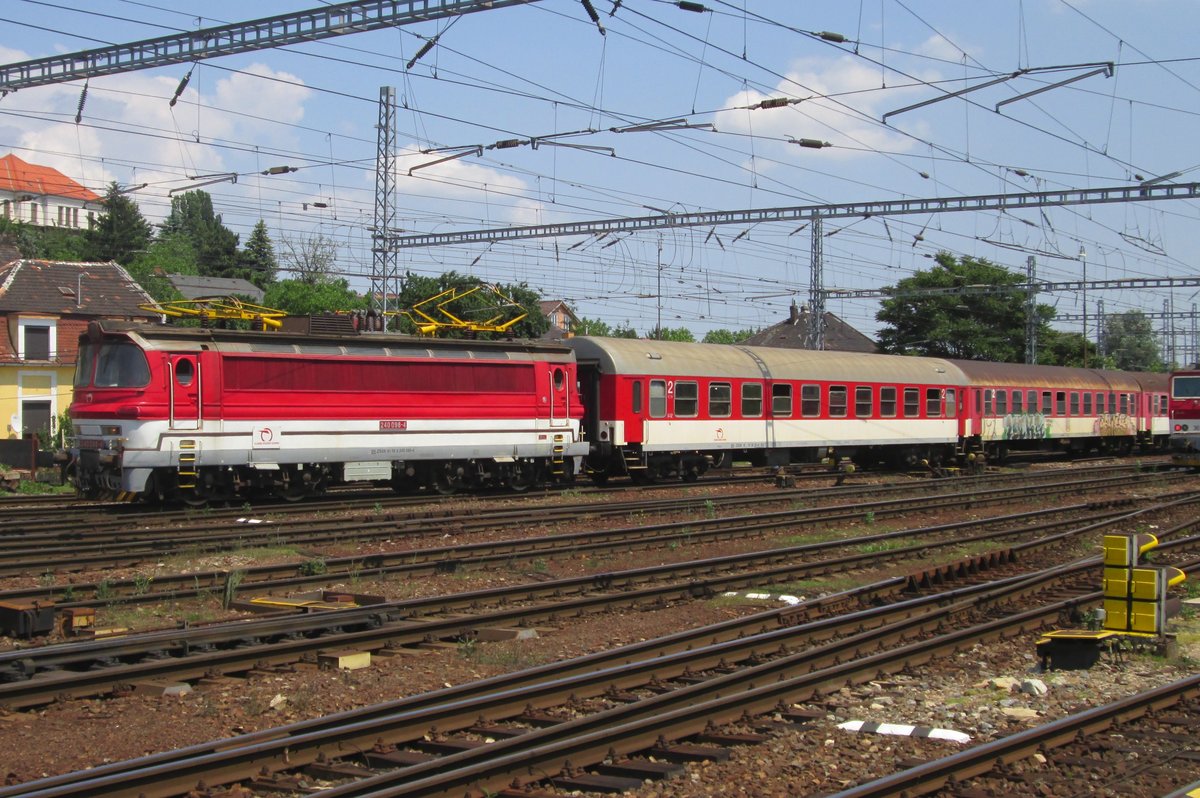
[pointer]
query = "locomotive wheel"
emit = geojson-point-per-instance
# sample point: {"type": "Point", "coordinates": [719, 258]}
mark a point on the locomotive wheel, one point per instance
{"type": "Point", "coordinates": [522, 477]}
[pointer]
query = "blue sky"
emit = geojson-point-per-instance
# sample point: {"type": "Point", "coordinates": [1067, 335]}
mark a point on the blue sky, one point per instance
{"type": "Point", "coordinates": [544, 69]}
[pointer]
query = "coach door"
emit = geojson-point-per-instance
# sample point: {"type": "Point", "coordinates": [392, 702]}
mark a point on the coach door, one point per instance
{"type": "Point", "coordinates": [185, 392]}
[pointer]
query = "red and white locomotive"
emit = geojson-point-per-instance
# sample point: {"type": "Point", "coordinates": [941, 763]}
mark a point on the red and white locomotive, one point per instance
{"type": "Point", "coordinates": [200, 414]}
{"type": "Point", "coordinates": [1185, 417]}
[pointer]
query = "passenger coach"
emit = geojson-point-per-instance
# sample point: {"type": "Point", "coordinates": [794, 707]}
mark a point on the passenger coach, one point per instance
{"type": "Point", "coordinates": [659, 408]}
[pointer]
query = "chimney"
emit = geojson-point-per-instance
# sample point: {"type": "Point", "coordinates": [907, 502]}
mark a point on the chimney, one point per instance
{"type": "Point", "coordinates": [794, 313]}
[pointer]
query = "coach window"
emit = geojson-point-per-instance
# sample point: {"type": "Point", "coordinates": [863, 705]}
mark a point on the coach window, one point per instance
{"type": "Point", "coordinates": [951, 405]}
{"type": "Point", "coordinates": [658, 398]}
{"type": "Point", "coordinates": [1031, 404]}
{"type": "Point", "coordinates": [686, 399]}
{"type": "Point", "coordinates": [1087, 403]}
{"type": "Point", "coordinates": [1100, 404]}
{"type": "Point", "coordinates": [751, 399]}
{"type": "Point", "coordinates": [988, 397]}
{"type": "Point", "coordinates": [933, 402]}
{"type": "Point", "coordinates": [1046, 405]}
{"type": "Point", "coordinates": [635, 404]}
{"type": "Point", "coordinates": [781, 400]}
{"type": "Point", "coordinates": [887, 402]}
{"type": "Point", "coordinates": [1002, 402]}
{"type": "Point", "coordinates": [1124, 403]}
{"type": "Point", "coordinates": [810, 400]}
{"type": "Point", "coordinates": [912, 402]}
{"type": "Point", "coordinates": [1060, 403]}
{"type": "Point", "coordinates": [837, 401]}
{"type": "Point", "coordinates": [862, 401]}
{"type": "Point", "coordinates": [1017, 397]}
{"type": "Point", "coordinates": [1074, 403]}
{"type": "Point", "coordinates": [720, 399]}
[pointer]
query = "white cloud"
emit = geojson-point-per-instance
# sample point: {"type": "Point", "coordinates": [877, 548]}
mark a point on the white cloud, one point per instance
{"type": "Point", "coordinates": [467, 180]}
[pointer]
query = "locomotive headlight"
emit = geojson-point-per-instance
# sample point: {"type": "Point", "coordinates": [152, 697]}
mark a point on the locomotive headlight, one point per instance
{"type": "Point", "coordinates": [110, 430]}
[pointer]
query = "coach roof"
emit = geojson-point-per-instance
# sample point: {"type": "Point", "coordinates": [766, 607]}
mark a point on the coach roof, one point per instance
{"type": "Point", "coordinates": [674, 359]}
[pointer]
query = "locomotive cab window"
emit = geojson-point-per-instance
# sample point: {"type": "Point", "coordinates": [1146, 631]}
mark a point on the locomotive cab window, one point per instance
{"type": "Point", "coordinates": [862, 401]}
{"type": "Point", "coordinates": [781, 400]}
{"type": "Point", "coordinates": [751, 399]}
{"type": "Point", "coordinates": [687, 400]}
{"type": "Point", "coordinates": [658, 398]}
{"type": "Point", "coordinates": [121, 364]}
{"type": "Point", "coordinates": [933, 402]}
{"type": "Point", "coordinates": [837, 401]}
{"type": "Point", "coordinates": [912, 403]}
{"type": "Point", "coordinates": [635, 401]}
{"type": "Point", "coordinates": [720, 399]}
{"type": "Point", "coordinates": [185, 372]}
{"type": "Point", "coordinates": [887, 402]}
{"type": "Point", "coordinates": [810, 400]}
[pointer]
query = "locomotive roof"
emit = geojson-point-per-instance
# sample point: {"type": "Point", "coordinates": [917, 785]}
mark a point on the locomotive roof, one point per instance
{"type": "Point", "coordinates": [674, 359]}
{"type": "Point", "coordinates": [166, 337]}
{"type": "Point", "coordinates": [1065, 377]}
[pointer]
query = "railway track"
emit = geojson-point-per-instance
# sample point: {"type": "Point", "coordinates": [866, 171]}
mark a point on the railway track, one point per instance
{"type": "Point", "coordinates": [415, 561]}
{"type": "Point", "coordinates": [76, 549]}
{"type": "Point", "coordinates": [610, 720]}
{"type": "Point", "coordinates": [33, 676]}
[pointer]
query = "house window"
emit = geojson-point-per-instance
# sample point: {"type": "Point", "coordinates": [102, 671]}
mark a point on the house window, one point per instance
{"type": "Point", "coordinates": [751, 399]}
{"type": "Point", "coordinates": [33, 213]}
{"type": "Point", "coordinates": [6, 208]}
{"type": "Point", "coordinates": [36, 341]}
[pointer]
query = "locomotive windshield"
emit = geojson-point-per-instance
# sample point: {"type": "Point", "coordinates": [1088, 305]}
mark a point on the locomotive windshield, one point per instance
{"type": "Point", "coordinates": [117, 364]}
{"type": "Point", "coordinates": [1185, 387]}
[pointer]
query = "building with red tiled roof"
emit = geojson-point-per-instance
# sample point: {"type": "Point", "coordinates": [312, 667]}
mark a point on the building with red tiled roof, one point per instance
{"type": "Point", "coordinates": [44, 196]}
{"type": "Point", "coordinates": [44, 307]}
{"type": "Point", "coordinates": [793, 333]}
{"type": "Point", "coordinates": [562, 319]}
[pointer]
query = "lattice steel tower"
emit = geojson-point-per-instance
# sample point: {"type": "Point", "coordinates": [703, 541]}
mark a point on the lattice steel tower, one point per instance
{"type": "Point", "coordinates": [384, 279]}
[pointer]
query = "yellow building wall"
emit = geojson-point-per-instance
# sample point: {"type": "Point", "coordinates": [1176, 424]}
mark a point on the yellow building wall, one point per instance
{"type": "Point", "coordinates": [24, 383]}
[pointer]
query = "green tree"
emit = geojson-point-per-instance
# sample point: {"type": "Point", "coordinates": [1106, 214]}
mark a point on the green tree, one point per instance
{"type": "Point", "coordinates": [257, 258]}
{"type": "Point", "coordinates": [120, 232]}
{"type": "Point", "coordinates": [215, 244]}
{"type": "Point", "coordinates": [44, 243]}
{"type": "Point", "coordinates": [170, 253]}
{"type": "Point", "coordinates": [724, 336]}
{"type": "Point", "coordinates": [682, 334]}
{"type": "Point", "coordinates": [1129, 342]}
{"type": "Point", "coordinates": [942, 313]}
{"type": "Point", "coordinates": [300, 297]}
{"type": "Point", "coordinates": [1057, 348]}
{"type": "Point", "coordinates": [595, 327]}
